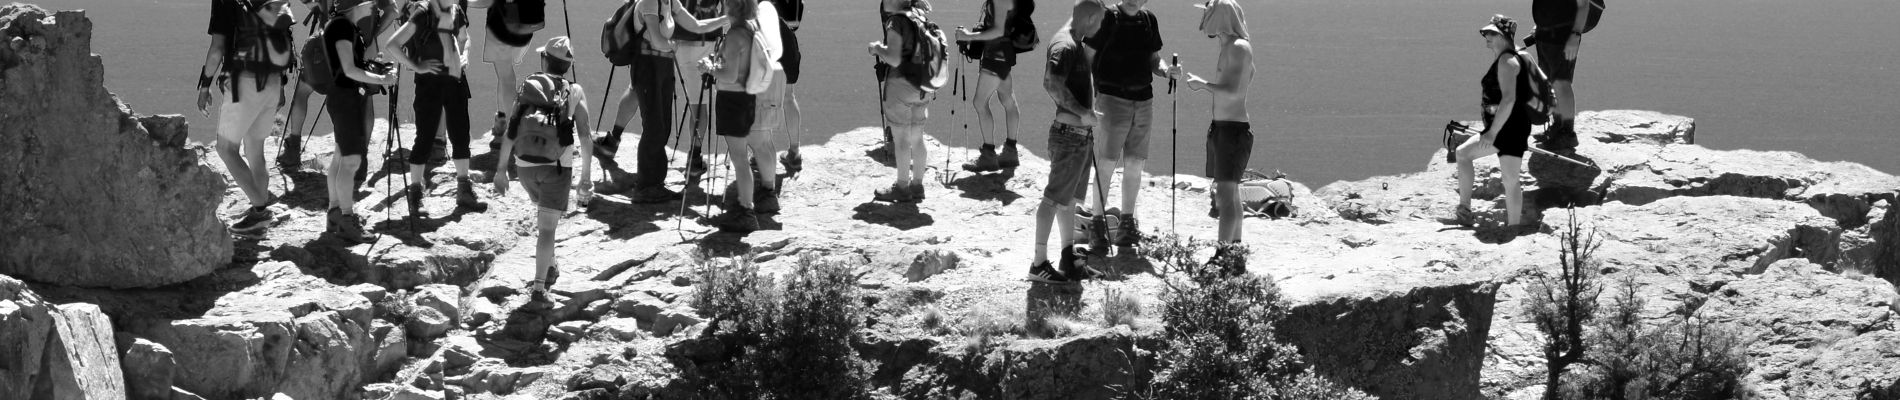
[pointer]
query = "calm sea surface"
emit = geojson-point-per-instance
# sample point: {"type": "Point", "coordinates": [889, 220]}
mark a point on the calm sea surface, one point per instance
{"type": "Point", "coordinates": [1345, 89]}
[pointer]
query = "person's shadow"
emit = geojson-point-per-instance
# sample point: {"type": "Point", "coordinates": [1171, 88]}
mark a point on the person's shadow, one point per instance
{"type": "Point", "coordinates": [986, 187]}
{"type": "Point", "coordinates": [903, 216]}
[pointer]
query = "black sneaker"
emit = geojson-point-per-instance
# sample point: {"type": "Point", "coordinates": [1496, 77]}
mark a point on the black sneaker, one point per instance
{"type": "Point", "coordinates": [254, 222]}
{"type": "Point", "coordinates": [465, 194]}
{"type": "Point", "coordinates": [605, 148]}
{"type": "Point", "coordinates": [896, 193]}
{"type": "Point", "coordinates": [350, 229]}
{"type": "Point", "coordinates": [1075, 263]}
{"type": "Point", "coordinates": [653, 194]}
{"type": "Point", "coordinates": [738, 219]}
{"type": "Point", "coordinates": [1130, 232]}
{"type": "Point", "coordinates": [414, 193]}
{"type": "Point", "coordinates": [1043, 273]}
{"type": "Point", "coordinates": [1008, 159]}
{"type": "Point", "coordinates": [916, 190]}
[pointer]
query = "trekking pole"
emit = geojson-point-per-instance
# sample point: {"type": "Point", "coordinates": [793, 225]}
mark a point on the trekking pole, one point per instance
{"type": "Point", "coordinates": [883, 121]}
{"type": "Point", "coordinates": [1534, 149]}
{"type": "Point", "coordinates": [567, 23]}
{"type": "Point", "coordinates": [956, 88]}
{"type": "Point", "coordinates": [1174, 141]}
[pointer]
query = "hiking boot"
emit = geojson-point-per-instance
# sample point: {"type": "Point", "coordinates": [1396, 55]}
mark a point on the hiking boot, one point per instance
{"type": "Point", "coordinates": [985, 160]}
{"type": "Point", "coordinates": [765, 201]}
{"type": "Point", "coordinates": [255, 220]}
{"type": "Point", "coordinates": [414, 193]}
{"type": "Point", "coordinates": [916, 190]}
{"type": "Point", "coordinates": [292, 152]}
{"type": "Point", "coordinates": [1075, 260]}
{"type": "Point", "coordinates": [1130, 232]}
{"type": "Point", "coordinates": [896, 193]}
{"type": "Point", "coordinates": [1561, 136]}
{"type": "Point", "coordinates": [349, 228]}
{"type": "Point", "coordinates": [695, 164]}
{"type": "Point", "coordinates": [653, 194]}
{"type": "Point", "coordinates": [465, 194]}
{"type": "Point", "coordinates": [605, 148]}
{"type": "Point", "coordinates": [330, 219]}
{"type": "Point", "coordinates": [1009, 159]}
{"type": "Point", "coordinates": [737, 219]}
{"type": "Point", "coordinates": [1043, 273]}
{"type": "Point", "coordinates": [1098, 235]}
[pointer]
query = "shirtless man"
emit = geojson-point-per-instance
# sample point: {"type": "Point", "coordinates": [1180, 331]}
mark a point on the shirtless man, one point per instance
{"type": "Point", "coordinates": [1229, 140]}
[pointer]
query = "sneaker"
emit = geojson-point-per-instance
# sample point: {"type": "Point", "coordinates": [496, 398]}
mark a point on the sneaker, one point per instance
{"type": "Point", "coordinates": [1113, 220]}
{"type": "Point", "coordinates": [985, 160]}
{"type": "Point", "coordinates": [916, 190]}
{"type": "Point", "coordinates": [653, 194]}
{"type": "Point", "coordinates": [349, 228]}
{"type": "Point", "coordinates": [1009, 159]}
{"type": "Point", "coordinates": [465, 193]}
{"type": "Point", "coordinates": [414, 193]}
{"type": "Point", "coordinates": [1130, 232]}
{"type": "Point", "coordinates": [737, 219]}
{"type": "Point", "coordinates": [1075, 263]}
{"type": "Point", "coordinates": [765, 201]}
{"type": "Point", "coordinates": [1043, 273]}
{"type": "Point", "coordinates": [254, 222]}
{"type": "Point", "coordinates": [605, 148]}
{"type": "Point", "coordinates": [896, 193]}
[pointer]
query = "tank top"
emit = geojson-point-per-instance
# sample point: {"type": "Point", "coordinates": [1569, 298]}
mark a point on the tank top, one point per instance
{"type": "Point", "coordinates": [1494, 95]}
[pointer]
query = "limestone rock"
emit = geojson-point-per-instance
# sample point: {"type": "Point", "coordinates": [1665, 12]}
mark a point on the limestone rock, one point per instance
{"type": "Point", "coordinates": [1425, 343]}
{"type": "Point", "coordinates": [81, 360]}
{"type": "Point", "coordinates": [439, 297]}
{"type": "Point", "coordinates": [427, 324]}
{"type": "Point", "coordinates": [640, 305]}
{"type": "Point", "coordinates": [619, 329]}
{"type": "Point", "coordinates": [148, 370]}
{"type": "Point", "coordinates": [26, 322]}
{"type": "Point", "coordinates": [392, 347]}
{"type": "Point", "coordinates": [1814, 334]}
{"type": "Point", "coordinates": [65, 152]}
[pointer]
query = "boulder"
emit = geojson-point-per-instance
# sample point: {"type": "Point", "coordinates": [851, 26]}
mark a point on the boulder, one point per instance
{"type": "Point", "coordinates": [426, 324]}
{"type": "Point", "coordinates": [81, 156]}
{"type": "Point", "coordinates": [391, 349]}
{"type": "Point", "coordinates": [640, 306]}
{"type": "Point", "coordinates": [1427, 342]}
{"type": "Point", "coordinates": [617, 329]}
{"type": "Point", "coordinates": [440, 297]}
{"type": "Point", "coordinates": [81, 360]}
{"type": "Point", "coordinates": [1812, 334]}
{"type": "Point", "coordinates": [26, 324]}
{"type": "Point", "coordinates": [148, 370]}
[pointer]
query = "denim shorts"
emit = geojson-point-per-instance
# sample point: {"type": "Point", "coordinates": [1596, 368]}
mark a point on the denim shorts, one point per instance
{"type": "Point", "coordinates": [547, 185]}
{"type": "Point", "coordinates": [1125, 126]}
{"type": "Point", "coordinates": [1068, 162]}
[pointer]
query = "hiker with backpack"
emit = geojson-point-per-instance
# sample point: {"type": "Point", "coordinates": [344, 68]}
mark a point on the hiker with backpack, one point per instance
{"type": "Point", "coordinates": [355, 78]}
{"type": "Point", "coordinates": [1229, 136]}
{"type": "Point", "coordinates": [1507, 88]}
{"type": "Point", "coordinates": [650, 92]}
{"type": "Point", "coordinates": [432, 43]}
{"type": "Point", "coordinates": [543, 140]}
{"type": "Point", "coordinates": [1067, 79]}
{"type": "Point", "coordinates": [511, 25]}
{"type": "Point", "coordinates": [1006, 29]}
{"type": "Point", "coordinates": [691, 43]}
{"type": "Point", "coordinates": [914, 49]}
{"type": "Point", "coordinates": [248, 60]}
{"type": "Point", "coordinates": [749, 86]}
{"type": "Point", "coordinates": [291, 152]}
{"type": "Point", "coordinates": [791, 13]}
{"type": "Point", "coordinates": [1558, 33]}
{"type": "Point", "coordinates": [1127, 59]}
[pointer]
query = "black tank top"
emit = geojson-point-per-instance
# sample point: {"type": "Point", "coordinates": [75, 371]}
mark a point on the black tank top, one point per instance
{"type": "Point", "coordinates": [1494, 95]}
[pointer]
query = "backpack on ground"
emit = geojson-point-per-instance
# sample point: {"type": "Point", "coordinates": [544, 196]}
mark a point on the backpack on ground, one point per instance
{"type": "Point", "coordinates": [524, 17]}
{"type": "Point", "coordinates": [922, 61]}
{"type": "Point", "coordinates": [1262, 195]}
{"type": "Point", "coordinates": [1542, 96]}
{"type": "Point", "coordinates": [542, 134]}
{"type": "Point", "coordinates": [618, 40]}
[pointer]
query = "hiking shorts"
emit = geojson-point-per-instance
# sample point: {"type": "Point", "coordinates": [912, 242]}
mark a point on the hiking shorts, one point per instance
{"type": "Point", "coordinates": [905, 104]}
{"type": "Point", "coordinates": [1125, 126]}
{"type": "Point", "coordinates": [1068, 163]}
{"type": "Point", "coordinates": [1229, 145]}
{"type": "Point", "coordinates": [686, 56]}
{"type": "Point", "coordinates": [252, 114]}
{"type": "Point", "coordinates": [734, 112]}
{"type": "Point", "coordinates": [498, 28]}
{"type": "Point", "coordinates": [998, 59]}
{"type": "Point", "coordinates": [1550, 54]}
{"type": "Point", "coordinates": [769, 107]}
{"type": "Point", "coordinates": [498, 49]}
{"type": "Point", "coordinates": [546, 185]}
{"type": "Point", "coordinates": [349, 108]}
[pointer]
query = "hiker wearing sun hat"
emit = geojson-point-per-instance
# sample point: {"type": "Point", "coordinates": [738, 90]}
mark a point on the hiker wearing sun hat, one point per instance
{"type": "Point", "coordinates": [1229, 137]}
{"type": "Point", "coordinates": [1507, 125]}
{"type": "Point", "coordinates": [544, 141]}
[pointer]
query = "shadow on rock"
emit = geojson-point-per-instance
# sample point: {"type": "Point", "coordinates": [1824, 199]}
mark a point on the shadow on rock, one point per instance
{"type": "Point", "coordinates": [903, 216]}
{"type": "Point", "coordinates": [626, 220]}
{"type": "Point", "coordinates": [305, 190]}
{"type": "Point", "coordinates": [1122, 265]}
{"type": "Point", "coordinates": [724, 244]}
{"type": "Point", "coordinates": [987, 187]}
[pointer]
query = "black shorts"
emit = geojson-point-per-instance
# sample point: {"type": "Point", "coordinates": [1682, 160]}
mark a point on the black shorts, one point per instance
{"type": "Point", "coordinates": [1229, 145]}
{"type": "Point", "coordinates": [499, 30]}
{"type": "Point", "coordinates": [1514, 138]}
{"type": "Point", "coordinates": [348, 107]}
{"type": "Point", "coordinates": [1550, 54]}
{"type": "Point", "coordinates": [998, 58]}
{"type": "Point", "coordinates": [792, 56]}
{"type": "Point", "coordinates": [733, 113]}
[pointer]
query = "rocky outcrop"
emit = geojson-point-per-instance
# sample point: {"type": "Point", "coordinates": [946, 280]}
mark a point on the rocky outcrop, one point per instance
{"type": "Point", "coordinates": [97, 196]}
{"type": "Point", "coordinates": [1813, 334]}
{"type": "Point", "coordinates": [55, 351]}
{"type": "Point", "coordinates": [1425, 343]}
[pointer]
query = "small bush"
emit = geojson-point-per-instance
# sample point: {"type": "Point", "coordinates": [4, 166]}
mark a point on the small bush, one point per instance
{"type": "Point", "coordinates": [1691, 358]}
{"type": "Point", "coordinates": [1119, 308]}
{"type": "Point", "coordinates": [1561, 305]}
{"type": "Point", "coordinates": [782, 340]}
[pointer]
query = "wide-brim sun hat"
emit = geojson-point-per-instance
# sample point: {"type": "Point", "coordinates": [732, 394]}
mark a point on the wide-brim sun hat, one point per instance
{"type": "Point", "coordinates": [559, 48]}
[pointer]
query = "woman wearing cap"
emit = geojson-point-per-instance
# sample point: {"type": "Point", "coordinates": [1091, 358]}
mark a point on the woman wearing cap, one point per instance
{"type": "Point", "coordinates": [548, 181]}
{"type": "Point", "coordinates": [750, 85]}
{"type": "Point", "coordinates": [349, 107]}
{"type": "Point", "coordinates": [442, 93]}
{"type": "Point", "coordinates": [1505, 87]}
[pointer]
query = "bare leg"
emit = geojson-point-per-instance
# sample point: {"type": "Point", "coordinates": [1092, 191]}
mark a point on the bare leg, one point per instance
{"type": "Point", "coordinates": [1046, 215]}
{"type": "Point", "coordinates": [1012, 114]}
{"type": "Point", "coordinates": [764, 147]}
{"type": "Point", "coordinates": [902, 151]}
{"type": "Point", "coordinates": [545, 223]}
{"type": "Point", "coordinates": [342, 179]}
{"type": "Point", "coordinates": [1513, 190]}
{"type": "Point", "coordinates": [794, 119]}
{"type": "Point", "coordinates": [1227, 197]}
{"type": "Point", "coordinates": [737, 151]}
{"type": "Point", "coordinates": [1104, 172]}
{"type": "Point", "coordinates": [299, 109]}
{"type": "Point", "coordinates": [1471, 149]}
{"type": "Point", "coordinates": [920, 154]}
{"type": "Point", "coordinates": [1131, 183]}
{"type": "Point", "coordinates": [986, 84]}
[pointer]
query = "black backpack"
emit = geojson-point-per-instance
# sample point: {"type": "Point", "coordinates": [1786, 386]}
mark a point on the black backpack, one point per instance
{"type": "Point", "coordinates": [254, 41]}
{"type": "Point", "coordinates": [618, 40]}
{"type": "Point", "coordinates": [425, 43]}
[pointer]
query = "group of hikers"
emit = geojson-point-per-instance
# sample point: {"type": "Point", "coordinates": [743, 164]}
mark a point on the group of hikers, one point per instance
{"type": "Point", "coordinates": [1101, 70]}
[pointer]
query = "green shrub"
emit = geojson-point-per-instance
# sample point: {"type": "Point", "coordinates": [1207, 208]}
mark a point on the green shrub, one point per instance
{"type": "Point", "coordinates": [787, 339]}
{"type": "Point", "coordinates": [1690, 358]}
{"type": "Point", "coordinates": [1119, 308]}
